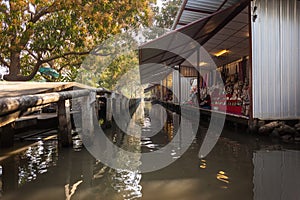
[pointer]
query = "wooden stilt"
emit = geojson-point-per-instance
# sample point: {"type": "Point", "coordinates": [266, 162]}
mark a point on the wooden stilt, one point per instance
{"type": "Point", "coordinates": [6, 136]}
{"type": "Point", "coordinates": [88, 110]}
{"type": "Point", "coordinates": [97, 107]}
{"type": "Point", "coordinates": [65, 127]}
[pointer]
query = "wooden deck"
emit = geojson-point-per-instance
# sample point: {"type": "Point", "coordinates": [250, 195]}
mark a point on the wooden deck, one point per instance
{"type": "Point", "coordinates": [19, 99]}
{"type": "Point", "coordinates": [175, 107]}
{"type": "Point", "coordinates": [13, 89]}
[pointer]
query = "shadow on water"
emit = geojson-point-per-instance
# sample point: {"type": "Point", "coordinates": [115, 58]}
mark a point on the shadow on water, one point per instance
{"type": "Point", "coordinates": [240, 166]}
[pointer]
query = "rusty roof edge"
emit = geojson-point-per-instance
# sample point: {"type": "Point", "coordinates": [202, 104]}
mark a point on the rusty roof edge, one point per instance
{"type": "Point", "coordinates": [178, 16]}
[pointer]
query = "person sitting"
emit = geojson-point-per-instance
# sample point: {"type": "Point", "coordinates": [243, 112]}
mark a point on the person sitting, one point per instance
{"type": "Point", "coordinates": [205, 101]}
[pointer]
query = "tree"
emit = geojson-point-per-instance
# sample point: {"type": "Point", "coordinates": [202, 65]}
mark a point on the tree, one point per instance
{"type": "Point", "coordinates": [109, 71]}
{"type": "Point", "coordinates": [163, 19]}
{"type": "Point", "coordinates": [59, 33]}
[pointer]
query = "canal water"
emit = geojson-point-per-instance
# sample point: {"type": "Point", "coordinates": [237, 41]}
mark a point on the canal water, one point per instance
{"type": "Point", "coordinates": [240, 166]}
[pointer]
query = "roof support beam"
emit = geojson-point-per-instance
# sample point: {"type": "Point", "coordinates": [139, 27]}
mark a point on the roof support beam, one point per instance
{"type": "Point", "coordinates": [222, 5]}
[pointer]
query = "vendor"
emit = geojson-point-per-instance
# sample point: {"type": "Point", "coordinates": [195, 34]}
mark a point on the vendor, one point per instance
{"type": "Point", "coordinates": [205, 100]}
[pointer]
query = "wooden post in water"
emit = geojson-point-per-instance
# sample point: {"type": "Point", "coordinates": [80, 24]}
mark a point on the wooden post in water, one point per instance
{"type": "Point", "coordinates": [6, 136]}
{"type": "Point", "coordinates": [97, 107]}
{"type": "Point", "coordinates": [65, 127]}
{"type": "Point", "coordinates": [88, 110]}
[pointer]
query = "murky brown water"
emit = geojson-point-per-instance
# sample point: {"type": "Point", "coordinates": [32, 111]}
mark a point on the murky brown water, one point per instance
{"type": "Point", "coordinates": [240, 166]}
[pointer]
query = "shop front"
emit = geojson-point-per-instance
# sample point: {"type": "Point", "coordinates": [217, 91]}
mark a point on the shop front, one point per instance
{"type": "Point", "coordinates": [224, 71]}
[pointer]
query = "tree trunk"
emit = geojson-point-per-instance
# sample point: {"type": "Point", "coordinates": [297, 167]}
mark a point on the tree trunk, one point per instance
{"type": "Point", "coordinates": [15, 69]}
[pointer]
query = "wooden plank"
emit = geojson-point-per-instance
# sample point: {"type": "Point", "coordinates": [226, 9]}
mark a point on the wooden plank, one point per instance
{"type": "Point", "coordinates": [12, 89]}
{"type": "Point", "coordinates": [4, 120]}
{"type": "Point", "coordinates": [9, 118]}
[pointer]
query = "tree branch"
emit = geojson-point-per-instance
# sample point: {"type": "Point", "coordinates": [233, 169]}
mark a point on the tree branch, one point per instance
{"type": "Point", "coordinates": [42, 12]}
{"type": "Point", "coordinates": [63, 66]}
{"type": "Point", "coordinates": [72, 53]}
{"type": "Point", "coordinates": [34, 71]}
{"type": "Point", "coordinates": [32, 54]}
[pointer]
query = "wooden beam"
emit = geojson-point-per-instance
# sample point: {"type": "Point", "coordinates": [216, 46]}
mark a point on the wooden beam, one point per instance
{"type": "Point", "coordinates": [9, 105]}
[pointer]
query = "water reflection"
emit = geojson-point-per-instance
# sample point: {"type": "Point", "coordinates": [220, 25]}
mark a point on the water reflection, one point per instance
{"type": "Point", "coordinates": [239, 167]}
{"type": "Point", "coordinates": [203, 164]}
{"type": "Point", "coordinates": [127, 183]}
{"type": "Point", "coordinates": [276, 174]}
{"type": "Point", "coordinates": [36, 160]}
{"type": "Point", "coordinates": [221, 176]}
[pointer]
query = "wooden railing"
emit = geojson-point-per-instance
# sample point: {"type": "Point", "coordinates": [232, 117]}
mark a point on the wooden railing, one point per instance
{"type": "Point", "coordinates": [12, 108]}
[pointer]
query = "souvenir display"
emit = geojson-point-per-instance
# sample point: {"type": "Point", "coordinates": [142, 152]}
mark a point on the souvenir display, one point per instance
{"type": "Point", "coordinates": [236, 99]}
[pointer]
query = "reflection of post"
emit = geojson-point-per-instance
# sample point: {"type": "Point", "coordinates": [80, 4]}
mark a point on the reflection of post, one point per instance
{"type": "Point", "coordinates": [65, 127]}
{"type": "Point", "coordinates": [87, 170]}
{"type": "Point", "coordinates": [276, 174]}
{"type": "Point", "coordinates": [9, 175]}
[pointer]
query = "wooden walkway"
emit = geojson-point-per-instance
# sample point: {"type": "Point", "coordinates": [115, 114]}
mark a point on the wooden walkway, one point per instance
{"type": "Point", "coordinates": [175, 107]}
{"type": "Point", "coordinates": [19, 99]}
{"type": "Point", "coordinates": [13, 89]}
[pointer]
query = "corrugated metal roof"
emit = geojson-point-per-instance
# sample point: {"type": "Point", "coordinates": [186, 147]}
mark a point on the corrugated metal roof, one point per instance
{"type": "Point", "coordinates": [177, 46]}
{"type": "Point", "coordinates": [192, 10]}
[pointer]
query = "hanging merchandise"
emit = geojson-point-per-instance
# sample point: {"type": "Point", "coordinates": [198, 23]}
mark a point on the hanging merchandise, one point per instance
{"type": "Point", "coordinates": [241, 71]}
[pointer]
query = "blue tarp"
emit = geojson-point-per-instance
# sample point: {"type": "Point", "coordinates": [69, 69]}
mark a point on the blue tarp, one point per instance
{"type": "Point", "coordinates": [49, 72]}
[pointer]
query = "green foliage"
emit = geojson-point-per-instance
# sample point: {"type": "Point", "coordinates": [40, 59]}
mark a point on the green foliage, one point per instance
{"type": "Point", "coordinates": [165, 17]}
{"type": "Point", "coordinates": [120, 66]}
{"type": "Point", "coordinates": [121, 73]}
{"type": "Point", "coordinates": [59, 33]}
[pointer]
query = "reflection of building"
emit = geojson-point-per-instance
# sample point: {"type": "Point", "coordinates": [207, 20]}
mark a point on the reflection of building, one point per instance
{"type": "Point", "coordinates": [154, 91]}
{"type": "Point", "coordinates": [249, 63]}
{"type": "Point", "coordinates": [276, 175]}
